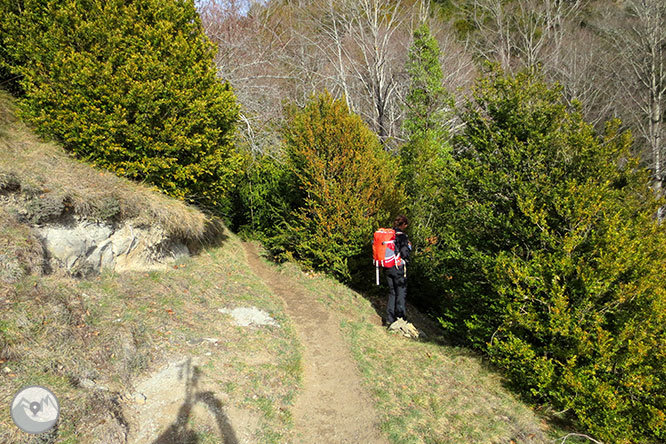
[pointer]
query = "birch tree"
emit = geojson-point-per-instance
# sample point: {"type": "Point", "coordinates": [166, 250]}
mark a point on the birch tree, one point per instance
{"type": "Point", "coordinates": [520, 33]}
{"type": "Point", "coordinates": [639, 37]}
{"type": "Point", "coordinates": [279, 51]}
{"type": "Point", "coordinates": [377, 55]}
{"type": "Point", "coordinates": [253, 54]}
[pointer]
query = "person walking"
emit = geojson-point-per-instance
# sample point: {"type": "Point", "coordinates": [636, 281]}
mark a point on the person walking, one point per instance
{"type": "Point", "coordinates": [397, 276]}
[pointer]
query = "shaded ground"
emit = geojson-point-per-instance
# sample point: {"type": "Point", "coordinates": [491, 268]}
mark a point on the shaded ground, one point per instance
{"type": "Point", "coordinates": [426, 391]}
{"type": "Point", "coordinates": [332, 407]}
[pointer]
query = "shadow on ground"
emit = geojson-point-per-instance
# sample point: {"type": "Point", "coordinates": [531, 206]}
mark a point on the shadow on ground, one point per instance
{"type": "Point", "coordinates": [215, 235]}
{"type": "Point", "coordinates": [364, 284]}
{"type": "Point", "coordinates": [180, 431]}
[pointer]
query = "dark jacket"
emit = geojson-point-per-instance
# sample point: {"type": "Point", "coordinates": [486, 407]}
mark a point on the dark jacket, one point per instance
{"type": "Point", "coordinates": [402, 244]}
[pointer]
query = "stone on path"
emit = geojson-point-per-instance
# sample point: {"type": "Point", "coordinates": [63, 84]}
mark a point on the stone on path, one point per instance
{"type": "Point", "coordinates": [245, 316]}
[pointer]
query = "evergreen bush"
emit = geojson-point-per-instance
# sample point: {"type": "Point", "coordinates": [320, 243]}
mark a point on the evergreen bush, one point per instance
{"type": "Point", "coordinates": [342, 186]}
{"type": "Point", "coordinates": [552, 260]}
{"type": "Point", "coordinates": [425, 155]}
{"type": "Point", "coordinates": [262, 199]}
{"type": "Point", "coordinates": [128, 86]}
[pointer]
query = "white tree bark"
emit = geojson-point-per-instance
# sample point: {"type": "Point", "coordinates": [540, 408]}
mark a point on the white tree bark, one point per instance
{"type": "Point", "coordinates": [639, 38]}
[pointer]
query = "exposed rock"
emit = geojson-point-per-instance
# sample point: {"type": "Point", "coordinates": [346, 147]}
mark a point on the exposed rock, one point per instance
{"type": "Point", "coordinates": [77, 246]}
{"type": "Point", "coordinates": [138, 398]}
{"type": "Point", "coordinates": [82, 246]}
{"type": "Point", "coordinates": [244, 316]}
{"type": "Point", "coordinates": [405, 328]}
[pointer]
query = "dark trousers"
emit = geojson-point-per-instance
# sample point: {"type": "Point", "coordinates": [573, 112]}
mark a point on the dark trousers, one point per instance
{"type": "Point", "coordinates": [397, 283]}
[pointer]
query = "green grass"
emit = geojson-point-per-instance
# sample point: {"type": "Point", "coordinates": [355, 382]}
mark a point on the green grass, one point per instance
{"type": "Point", "coordinates": [427, 391]}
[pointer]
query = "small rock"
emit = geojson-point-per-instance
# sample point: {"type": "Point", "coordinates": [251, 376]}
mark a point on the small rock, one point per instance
{"type": "Point", "coordinates": [92, 385]}
{"type": "Point", "coordinates": [244, 316]}
{"type": "Point", "coordinates": [87, 383]}
{"type": "Point", "coordinates": [405, 328]}
{"type": "Point", "coordinates": [139, 398]}
{"type": "Point", "coordinates": [7, 370]}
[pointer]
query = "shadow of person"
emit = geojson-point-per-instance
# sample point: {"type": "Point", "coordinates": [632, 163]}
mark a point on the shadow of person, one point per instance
{"type": "Point", "coordinates": [179, 432]}
{"type": "Point", "coordinates": [223, 423]}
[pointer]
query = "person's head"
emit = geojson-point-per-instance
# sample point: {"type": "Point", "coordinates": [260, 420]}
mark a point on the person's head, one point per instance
{"type": "Point", "coordinates": [401, 222]}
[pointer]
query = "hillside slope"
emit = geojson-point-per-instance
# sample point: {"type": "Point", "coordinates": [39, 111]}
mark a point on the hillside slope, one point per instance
{"type": "Point", "coordinates": [158, 356]}
{"type": "Point", "coordinates": [99, 342]}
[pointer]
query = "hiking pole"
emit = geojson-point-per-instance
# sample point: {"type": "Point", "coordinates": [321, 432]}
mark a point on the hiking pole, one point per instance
{"type": "Point", "coordinates": [377, 273]}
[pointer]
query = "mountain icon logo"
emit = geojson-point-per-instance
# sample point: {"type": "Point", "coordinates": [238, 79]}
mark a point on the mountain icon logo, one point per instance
{"type": "Point", "coordinates": [35, 409]}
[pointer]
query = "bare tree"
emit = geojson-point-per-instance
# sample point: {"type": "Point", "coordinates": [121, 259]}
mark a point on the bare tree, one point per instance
{"type": "Point", "coordinates": [492, 24]}
{"type": "Point", "coordinates": [278, 51]}
{"type": "Point", "coordinates": [637, 33]}
{"type": "Point", "coordinates": [521, 33]}
{"type": "Point", "coordinates": [458, 66]}
{"type": "Point", "coordinates": [585, 69]}
{"type": "Point", "coordinates": [375, 51]}
{"type": "Point", "coordinates": [252, 40]}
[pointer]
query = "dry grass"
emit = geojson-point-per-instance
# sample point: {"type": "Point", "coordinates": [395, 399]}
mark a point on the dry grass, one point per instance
{"type": "Point", "coordinates": [91, 341]}
{"type": "Point", "coordinates": [117, 329]}
{"type": "Point", "coordinates": [20, 251]}
{"type": "Point", "coordinates": [49, 182]}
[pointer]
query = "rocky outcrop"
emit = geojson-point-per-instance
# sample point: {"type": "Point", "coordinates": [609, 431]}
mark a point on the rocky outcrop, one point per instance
{"type": "Point", "coordinates": [82, 246]}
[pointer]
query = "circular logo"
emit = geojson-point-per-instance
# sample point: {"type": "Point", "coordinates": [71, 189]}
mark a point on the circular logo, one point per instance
{"type": "Point", "coordinates": [35, 409]}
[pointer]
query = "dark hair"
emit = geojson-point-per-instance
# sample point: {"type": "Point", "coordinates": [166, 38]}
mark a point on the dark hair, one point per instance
{"type": "Point", "coordinates": [401, 221]}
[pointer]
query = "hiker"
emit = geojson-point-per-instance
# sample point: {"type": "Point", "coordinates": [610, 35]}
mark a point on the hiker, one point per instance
{"type": "Point", "coordinates": [397, 276]}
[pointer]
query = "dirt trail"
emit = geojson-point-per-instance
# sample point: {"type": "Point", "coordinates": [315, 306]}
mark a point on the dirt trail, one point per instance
{"type": "Point", "coordinates": [333, 407]}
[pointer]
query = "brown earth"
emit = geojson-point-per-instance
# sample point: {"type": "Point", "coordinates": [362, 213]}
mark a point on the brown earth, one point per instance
{"type": "Point", "coordinates": [333, 407]}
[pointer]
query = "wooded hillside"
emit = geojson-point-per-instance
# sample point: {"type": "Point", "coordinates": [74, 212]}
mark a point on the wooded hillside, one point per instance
{"type": "Point", "coordinates": [524, 139]}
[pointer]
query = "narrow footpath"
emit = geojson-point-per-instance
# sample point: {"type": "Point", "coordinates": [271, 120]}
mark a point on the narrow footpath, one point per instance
{"type": "Point", "coordinates": [333, 407]}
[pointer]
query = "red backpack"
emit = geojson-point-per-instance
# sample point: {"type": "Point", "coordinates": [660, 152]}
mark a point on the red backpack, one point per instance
{"type": "Point", "coordinates": [383, 250]}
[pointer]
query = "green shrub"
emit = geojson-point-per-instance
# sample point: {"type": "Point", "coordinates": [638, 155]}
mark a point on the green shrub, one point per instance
{"type": "Point", "coordinates": [262, 198]}
{"type": "Point", "coordinates": [552, 261]}
{"type": "Point", "coordinates": [128, 86]}
{"type": "Point", "coordinates": [341, 187]}
{"type": "Point", "coordinates": [426, 154]}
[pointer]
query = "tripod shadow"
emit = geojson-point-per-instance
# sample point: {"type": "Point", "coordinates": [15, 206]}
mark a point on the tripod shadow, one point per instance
{"type": "Point", "coordinates": [180, 431]}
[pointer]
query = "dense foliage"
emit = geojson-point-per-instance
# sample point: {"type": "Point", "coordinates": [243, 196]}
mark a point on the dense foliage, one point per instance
{"type": "Point", "coordinates": [262, 200]}
{"type": "Point", "coordinates": [129, 86]}
{"type": "Point", "coordinates": [426, 154]}
{"type": "Point", "coordinates": [552, 261]}
{"type": "Point", "coordinates": [535, 234]}
{"type": "Point", "coordinates": [340, 186]}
